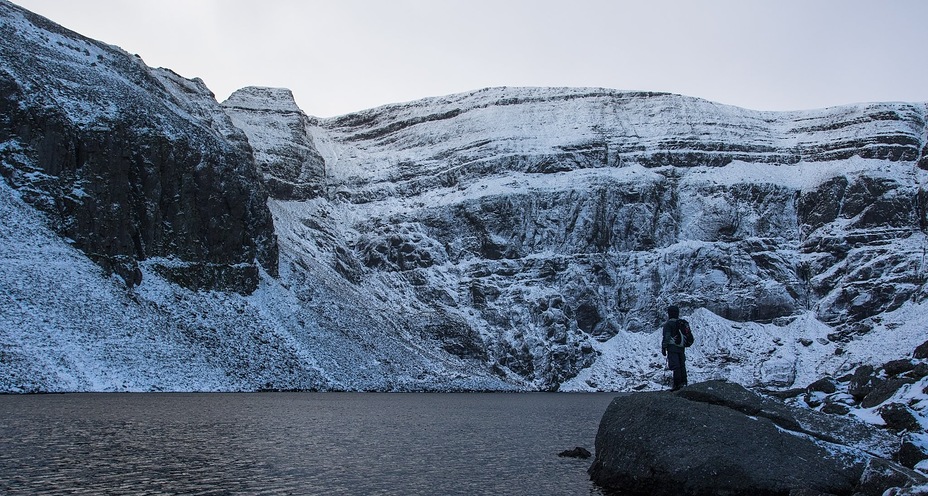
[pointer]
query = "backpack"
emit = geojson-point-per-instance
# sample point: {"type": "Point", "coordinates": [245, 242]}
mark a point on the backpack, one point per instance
{"type": "Point", "coordinates": [684, 334]}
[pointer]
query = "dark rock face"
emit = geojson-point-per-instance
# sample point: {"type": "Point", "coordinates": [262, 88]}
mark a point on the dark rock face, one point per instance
{"type": "Point", "coordinates": [577, 452]}
{"type": "Point", "coordinates": [719, 438]}
{"type": "Point", "coordinates": [882, 391]}
{"type": "Point", "coordinates": [862, 382]}
{"type": "Point", "coordinates": [898, 417]}
{"type": "Point", "coordinates": [922, 351]}
{"type": "Point", "coordinates": [920, 370]}
{"type": "Point", "coordinates": [910, 454]}
{"type": "Point", "coordinates": [897, 367]}
{"type": "Point", "coordinates": [826, 385]}
{"type": "Point", "coordinates": [856, 434]}
{"type": "Point", "coordinates": [874, 212]}
{"type": "Point", "coordinates": [835, 409]}
{"type": "Point", "coordinates": [131, 163]}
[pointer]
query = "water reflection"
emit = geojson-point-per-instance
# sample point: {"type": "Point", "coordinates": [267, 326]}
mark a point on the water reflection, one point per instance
{"type": "Point", "coordinates": [297, 443]}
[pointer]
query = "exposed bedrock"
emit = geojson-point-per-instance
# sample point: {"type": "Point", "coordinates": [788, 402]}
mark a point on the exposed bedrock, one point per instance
{"type": "Point", "coordinates": [719, 438]}
{"type": "Point", "coordinates": [129, 162]}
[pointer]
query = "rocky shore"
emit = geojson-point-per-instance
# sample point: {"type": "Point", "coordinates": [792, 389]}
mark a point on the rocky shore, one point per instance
{"type": "Point", "coordinates": [863, 433]}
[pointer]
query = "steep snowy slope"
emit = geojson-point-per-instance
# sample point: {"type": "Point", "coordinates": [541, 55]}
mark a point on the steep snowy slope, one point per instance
{"type": "Point", "coordinates": [151, 263]}
{"type": "Point", "coordinates": [67, 326]}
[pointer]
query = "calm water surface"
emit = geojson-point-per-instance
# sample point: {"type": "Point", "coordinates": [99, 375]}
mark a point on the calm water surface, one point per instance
{"type": "Point", "coordinates": [297, 443]}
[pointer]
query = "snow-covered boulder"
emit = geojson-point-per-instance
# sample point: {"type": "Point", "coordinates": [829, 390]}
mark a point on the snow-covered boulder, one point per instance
{"type": "Point", "coordinates": [893, 396]}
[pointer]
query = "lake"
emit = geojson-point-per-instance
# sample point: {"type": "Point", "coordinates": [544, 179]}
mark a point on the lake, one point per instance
{"type": "Point", "coordinates": [298, 443]}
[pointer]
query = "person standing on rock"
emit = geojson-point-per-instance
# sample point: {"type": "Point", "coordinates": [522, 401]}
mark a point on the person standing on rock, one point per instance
{"type": "Point", "coordinates": [673, 348]}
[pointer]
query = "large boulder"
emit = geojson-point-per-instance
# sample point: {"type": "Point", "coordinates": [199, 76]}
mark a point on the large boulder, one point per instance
{"type": "Point", "coordinates": [719, 438]}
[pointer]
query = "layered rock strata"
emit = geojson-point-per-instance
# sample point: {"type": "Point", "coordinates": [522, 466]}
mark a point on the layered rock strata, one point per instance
{"type": "Point", "coordinates": [537, 222]}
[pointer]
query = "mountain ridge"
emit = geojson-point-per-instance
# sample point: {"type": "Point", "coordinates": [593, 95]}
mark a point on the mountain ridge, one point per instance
{"type": "Point", "coordinates": [499, 239]}
{"type": "Point", "coordinates": [415, 209]}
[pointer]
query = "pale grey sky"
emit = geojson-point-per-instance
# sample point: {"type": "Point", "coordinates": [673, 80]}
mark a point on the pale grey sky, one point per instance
{"type": "Point", "coordinates": [340, 56]}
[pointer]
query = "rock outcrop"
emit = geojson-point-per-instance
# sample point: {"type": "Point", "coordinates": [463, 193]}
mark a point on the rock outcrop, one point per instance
{"type": "Point", "coordinates": [719, 438]}
{"type": "Point", "coordinates": [129, 162]}
{"type": "Point", "coordinates": [892, 395]}
{"type": "Point", "coordinates": [285, 151]}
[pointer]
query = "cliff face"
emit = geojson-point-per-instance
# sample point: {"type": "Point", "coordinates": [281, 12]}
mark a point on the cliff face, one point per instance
{"type": "Point", "coordinates": [530, 224]}
{"type": "Point", "coordinates": [507, 238]}
{"type": "Point", "coordinates": [129, 162]}
{"type": "Point", "coordinates": [289, 162]}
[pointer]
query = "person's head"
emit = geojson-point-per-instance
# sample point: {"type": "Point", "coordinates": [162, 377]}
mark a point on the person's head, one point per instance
{"type": "Point", "coordinates": [673, 312]}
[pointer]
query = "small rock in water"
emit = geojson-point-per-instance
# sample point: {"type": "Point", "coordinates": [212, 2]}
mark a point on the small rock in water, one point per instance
{"type": "Point", "coordinates": [577, 452]}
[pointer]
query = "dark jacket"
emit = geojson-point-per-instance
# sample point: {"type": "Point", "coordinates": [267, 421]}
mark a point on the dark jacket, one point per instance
{"type": "Point", "coordinates": [671, 336]}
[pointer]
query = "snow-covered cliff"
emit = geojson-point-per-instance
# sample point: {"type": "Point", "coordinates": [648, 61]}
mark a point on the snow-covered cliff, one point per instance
{"type": "Point", "coordinates": [506, 238]}
{"type": "Point", "coordinates": [128, 162]}
{"type": "Point", "coordinates": [543, 230]}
